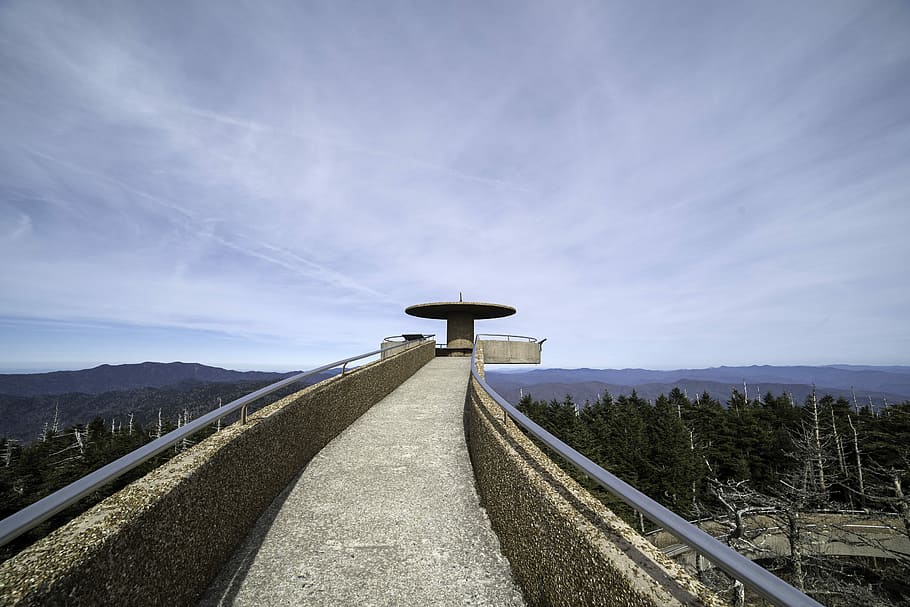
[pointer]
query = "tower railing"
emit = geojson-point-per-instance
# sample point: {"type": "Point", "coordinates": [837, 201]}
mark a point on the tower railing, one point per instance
{"type": "Point", "coordinates": [758, 579]}
{"type": "Point", "coordinates": [510, 337]}
{"type": "Point", "coordinates": [29, 517]}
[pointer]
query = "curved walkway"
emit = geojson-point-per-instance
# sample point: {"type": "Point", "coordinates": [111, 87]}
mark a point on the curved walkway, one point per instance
{"type": "Point", "coordinates": [386, 514]}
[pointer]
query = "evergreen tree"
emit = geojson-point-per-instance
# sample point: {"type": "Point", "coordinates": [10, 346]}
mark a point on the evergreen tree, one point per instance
{"type": "Point", "coordinates": [672, 465]}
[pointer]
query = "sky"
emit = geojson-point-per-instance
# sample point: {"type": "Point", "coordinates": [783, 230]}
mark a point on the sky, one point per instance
{"type": "Point", "coordinates": [267, 185]}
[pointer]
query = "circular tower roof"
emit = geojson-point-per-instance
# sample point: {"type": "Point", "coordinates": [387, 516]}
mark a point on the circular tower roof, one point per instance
{"type": "Point", "coordinates": [442, 310]}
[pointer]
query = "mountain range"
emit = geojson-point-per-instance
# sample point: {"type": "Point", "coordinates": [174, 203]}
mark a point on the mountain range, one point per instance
{"type": "Point", "coordinates": [886, 384]}
{"type": "Point", "coordinates": [107, 378]}
{"type": "Point", "coordinates": [27, 401]}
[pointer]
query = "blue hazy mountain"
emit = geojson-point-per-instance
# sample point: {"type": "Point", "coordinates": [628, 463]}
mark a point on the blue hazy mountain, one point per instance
{"type": "Point", "coordinates": [108, 378]}
{"type": "Point", "coordinates": [882, 384]}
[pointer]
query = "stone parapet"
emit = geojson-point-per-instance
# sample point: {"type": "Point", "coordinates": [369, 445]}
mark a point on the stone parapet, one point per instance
{"type": "Point", "coordinates": [564, 546]}
{"type": "Point", "coordinates": [163, 538]}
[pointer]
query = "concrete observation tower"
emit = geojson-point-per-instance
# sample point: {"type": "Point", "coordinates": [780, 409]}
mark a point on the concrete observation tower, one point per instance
{"type": "Point", "coordinates": [460, 316]}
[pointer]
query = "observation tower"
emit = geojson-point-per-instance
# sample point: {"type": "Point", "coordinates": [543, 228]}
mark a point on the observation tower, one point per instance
{"type": "Point", "coordinates": [460, 316]}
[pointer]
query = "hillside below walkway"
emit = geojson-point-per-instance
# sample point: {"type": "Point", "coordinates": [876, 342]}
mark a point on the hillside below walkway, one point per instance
{"type": "Point", "coordinates": [385, 514]}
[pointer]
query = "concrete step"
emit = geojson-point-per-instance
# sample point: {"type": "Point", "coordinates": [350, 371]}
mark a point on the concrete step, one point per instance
{"type": "Point", "coordinates": [386, 514]}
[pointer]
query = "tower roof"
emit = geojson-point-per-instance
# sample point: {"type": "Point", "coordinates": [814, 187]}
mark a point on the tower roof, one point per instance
{"type": "Point", "coordinates": [443, 309]}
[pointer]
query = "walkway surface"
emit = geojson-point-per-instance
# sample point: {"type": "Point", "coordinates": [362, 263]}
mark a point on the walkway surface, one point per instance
{"type": "Point", "coordinates": [385, 514]}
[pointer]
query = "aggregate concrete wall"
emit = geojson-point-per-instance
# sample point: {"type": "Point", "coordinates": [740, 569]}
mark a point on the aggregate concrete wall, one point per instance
{"type": "Point", "coordinates": [505, 352]}
{"type": "Point", "coordinates": [162, 539]}
{"type": "Point", "coordinates": [564, 546]}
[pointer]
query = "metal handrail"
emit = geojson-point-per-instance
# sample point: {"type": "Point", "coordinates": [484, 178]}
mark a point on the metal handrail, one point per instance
{"type": "Point", "coordinates": [394, 339]}
{"type": "Point", "coordinates": [508, 337]}
{"type": "Point", "coordinates": [739, 567]}
{"type": "Point", "coordinates": [16, 524]}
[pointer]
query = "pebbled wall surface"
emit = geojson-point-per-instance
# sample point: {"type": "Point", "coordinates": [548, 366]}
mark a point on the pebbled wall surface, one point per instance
{"type": "Point", "coordinates": [163, 538]}
{"type": "Point", "coordinates": [564, 546]}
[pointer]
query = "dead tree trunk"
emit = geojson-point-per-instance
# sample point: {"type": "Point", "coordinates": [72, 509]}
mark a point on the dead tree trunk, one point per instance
{"type": "Point", "coordinates": [796, 548]}
{"type": "Point", "coordinates": [859, 461]}
{"type": "Point", "coordinates": [818, 444]}
{"type": "Point", "coordinates": [839, 445]}
{"type": "Point", "coordinates": [903, 504]}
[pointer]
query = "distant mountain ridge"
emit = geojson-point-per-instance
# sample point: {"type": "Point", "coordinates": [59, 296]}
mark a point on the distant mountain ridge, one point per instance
{"type": "Point", "coordinates": [881, 384]}
{"type": "Point", "coordinates": [29, 400]}
{"type": "Point", "coordinates": [108, 378]}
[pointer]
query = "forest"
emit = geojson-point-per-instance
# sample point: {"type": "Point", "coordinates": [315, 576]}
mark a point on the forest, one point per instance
{"type": "Point", "coordinates": [708, 460]}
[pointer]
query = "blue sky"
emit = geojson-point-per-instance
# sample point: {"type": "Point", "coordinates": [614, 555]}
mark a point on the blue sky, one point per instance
{"type": "Point", "coordinates": [269, 185]}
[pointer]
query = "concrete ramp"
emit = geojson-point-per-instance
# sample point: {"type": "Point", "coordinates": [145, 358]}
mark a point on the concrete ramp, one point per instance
{"type": "Point", "coordinates": [386, 514]}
